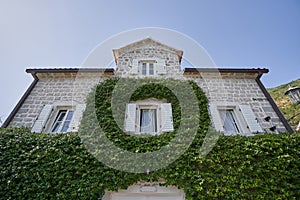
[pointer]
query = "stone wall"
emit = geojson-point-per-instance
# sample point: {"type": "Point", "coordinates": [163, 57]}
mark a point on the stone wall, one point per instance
{"type": "Point", "coordinates": [61, 87]}
{"type": "Point", "coordinates": [241, 89]}
{"type": "Point", "coordinates": [52, 89]}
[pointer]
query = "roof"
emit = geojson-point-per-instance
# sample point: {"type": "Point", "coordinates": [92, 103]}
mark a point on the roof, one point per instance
{"type": "Point", "coordinates": [226, 70]}
{"type": "Point", "coordinates": [69, 70]}
{"type": "Point", "coordinates": [112, 70]}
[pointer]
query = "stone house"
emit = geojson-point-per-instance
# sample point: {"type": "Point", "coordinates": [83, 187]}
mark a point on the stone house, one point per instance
{"type": "Point", "coordinates": [238, 101]}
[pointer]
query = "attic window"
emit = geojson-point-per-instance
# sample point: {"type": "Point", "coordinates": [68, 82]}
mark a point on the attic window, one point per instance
{"type": "Point", "coordinates": [147, 67]}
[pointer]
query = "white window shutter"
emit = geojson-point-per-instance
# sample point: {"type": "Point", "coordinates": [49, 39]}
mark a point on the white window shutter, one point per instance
{"type": "Point", "coordinates": [166, 117]}
{"type": "Point", "coordinates": [130, 118]}
{"type": "Point", "coordinates": [216, 117]}
{"type": "Point", "coordinates": [250, 118]}
{"type": "Point", "coordinates": [160, 66]}
{"type": "Point", "coordinates": [42, 119]}
{"type": "Point", "coordinates": [77, 115]}
{"type": "Point", "coordinates": [135, 66]}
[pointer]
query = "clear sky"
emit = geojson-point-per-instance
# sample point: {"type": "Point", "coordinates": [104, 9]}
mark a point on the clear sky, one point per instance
{"type": "Point", "coordinates": [55, 33]}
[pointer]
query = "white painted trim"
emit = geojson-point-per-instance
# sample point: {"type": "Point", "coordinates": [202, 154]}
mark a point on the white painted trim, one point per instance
{"type": "Point", "coordinates": [166, 117]}
{"type": "Point", "coordinates": [76, 119]}
{"type": "Point", "coordinates": [250, 119]}
{"type": "Point", "coordinates": [42, 119]}
{"type": "Point", "coordinates": [130, 118]}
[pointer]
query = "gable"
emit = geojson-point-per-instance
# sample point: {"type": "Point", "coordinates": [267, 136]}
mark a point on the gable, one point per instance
{"type": "Point", "coordinates": [149, 45]}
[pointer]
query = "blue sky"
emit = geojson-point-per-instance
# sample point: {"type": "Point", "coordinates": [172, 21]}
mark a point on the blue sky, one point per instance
{"type": "Point", "coordinates": [236, 33]}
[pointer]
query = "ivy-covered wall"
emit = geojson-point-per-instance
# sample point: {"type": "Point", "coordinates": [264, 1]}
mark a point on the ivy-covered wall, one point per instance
{"type": "Point", "coordinates": [43, 166]}
{"type": "Point", "coordinates": [108, 102]}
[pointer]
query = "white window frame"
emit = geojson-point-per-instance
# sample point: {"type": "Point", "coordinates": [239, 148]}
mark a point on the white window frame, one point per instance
{"type": "Point", "coordinates": [63, 121]}
{"type": "Point", "coordinates": [236, 120]}
{"type": "Point", "coordinates": [139, 109]}
{"type": "Point", "coordinates": [147, 64]}
{"type": "Point", "coordinates": [54, 117]}
{"type": "Point", "coordinates": [159, 66]}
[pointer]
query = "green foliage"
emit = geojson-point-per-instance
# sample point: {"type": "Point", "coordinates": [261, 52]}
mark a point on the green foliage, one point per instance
{"type": "Point", "coordinates": [44, 166]}
{"type": "Point", "coordinates": [101, 99]}
{"type": "Point", "coordinates": [290, 110]}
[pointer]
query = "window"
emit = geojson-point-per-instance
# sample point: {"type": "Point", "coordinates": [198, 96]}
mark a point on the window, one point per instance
{"type": "Point", "coordinates": [148, 120]}
{"type": "Point", "coordinates": [148, 117]}
{"type": "Point", "coordinates": [233, 118]}
{"type": "Point", "coordinates": [60, 117]}
{"type": "Point", "coordinates": [62, 121]}
{"type": "Point", "coordinates": [230, 123]}
{"type": "Point", "coordinates": [147, 67]}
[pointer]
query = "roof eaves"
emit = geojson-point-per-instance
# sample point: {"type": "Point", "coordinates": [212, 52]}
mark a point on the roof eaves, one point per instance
{"type": "Point", "coordinates": [69, 70]}
{"type": "Point", "coordinates": [226, 70]}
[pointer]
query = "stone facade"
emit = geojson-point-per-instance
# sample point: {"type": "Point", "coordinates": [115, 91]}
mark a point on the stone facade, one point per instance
{"type": "Point", "coordinates": [65, 87]}
{"type": "Point", "coordinates": [240, 89]}
{"type": "Point", "coordinates": [55, 88]}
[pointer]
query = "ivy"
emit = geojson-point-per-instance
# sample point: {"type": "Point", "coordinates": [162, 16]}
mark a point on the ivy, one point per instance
{"type": "Point", "coordinates": [168, 90]}
{"type": "Point", "coordinates": [44, 166]}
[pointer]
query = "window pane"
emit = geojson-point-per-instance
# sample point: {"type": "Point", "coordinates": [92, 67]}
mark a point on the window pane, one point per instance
{"type": "Point", "coordinates": [144, 68]}
{"type": "Point", "coordinates": [70, 115]}
{"type": "Point", "coordinates": [148, 121]}
{"type": "Point", "coordinates": [58, 121]}
{"type": "Point", "coordinates": [151, 69]}
{"type": "Point", "coordinates": [61, 115]}
{"type": "Point", "coordinates": [67, 121]}
{"type": "Point", "coordinates": [55, 127]}
{"type": "Point", "coordinates": [65, 127]}
{"type": "Point", "coordinates": [62, 121]}
{"type": "Point", "coordinates": [229, 120]}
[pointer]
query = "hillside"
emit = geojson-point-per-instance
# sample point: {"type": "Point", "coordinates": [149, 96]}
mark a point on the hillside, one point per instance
{"type": "Point", "coordinates": [285, 105]}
